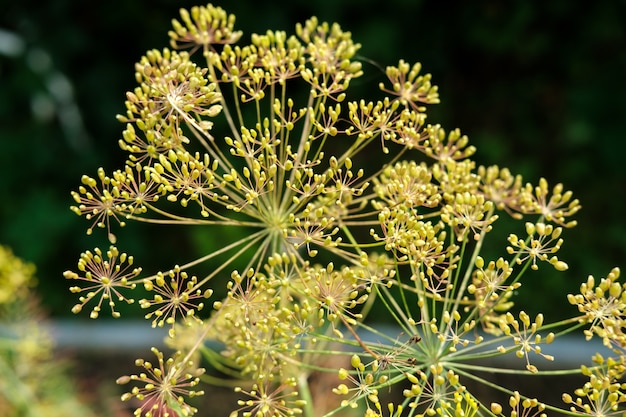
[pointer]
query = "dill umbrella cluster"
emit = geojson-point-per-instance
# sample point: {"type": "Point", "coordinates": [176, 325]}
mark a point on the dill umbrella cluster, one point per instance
{"type": "Point", "coordinates": [351, 212]}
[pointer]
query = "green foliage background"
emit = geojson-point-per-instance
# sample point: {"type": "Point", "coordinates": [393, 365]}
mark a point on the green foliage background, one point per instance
{"type": "Point", "coordinates": [538, 87]}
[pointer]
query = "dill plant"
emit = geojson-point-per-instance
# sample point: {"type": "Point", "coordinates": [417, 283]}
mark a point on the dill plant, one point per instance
{"type": "Point", "coordinates": [35, 381]}
{"type": "Point", "coordinates": [347, 208]}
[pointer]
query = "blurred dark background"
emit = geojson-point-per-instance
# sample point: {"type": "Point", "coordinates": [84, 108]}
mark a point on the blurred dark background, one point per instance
{"type": "Point", "coordinates": [538, 87]}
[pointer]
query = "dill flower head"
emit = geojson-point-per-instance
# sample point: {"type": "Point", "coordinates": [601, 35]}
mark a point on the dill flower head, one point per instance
{"type": "Point", "coordinates": [163, 387]}
{"type": "Point", "coordinates": [104, 279]}
{"type": "Point", "coordinates": [336, 210]}
{"type": "Point", "coordinates": [603, 307]}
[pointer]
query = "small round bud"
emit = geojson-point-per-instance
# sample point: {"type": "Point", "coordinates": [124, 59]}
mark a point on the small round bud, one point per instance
{"type": "Point", "coordinates": [496, 408]}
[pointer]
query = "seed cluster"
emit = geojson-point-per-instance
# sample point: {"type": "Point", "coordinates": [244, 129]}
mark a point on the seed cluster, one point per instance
{"type": "Point", "coordinates": [340, 210]}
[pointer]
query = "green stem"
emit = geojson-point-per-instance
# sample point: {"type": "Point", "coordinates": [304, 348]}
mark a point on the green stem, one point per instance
{"type": "Point", "coordinates": [304, 389]}
{"type": "Point", "coordinates": [491, 369]}
{"type": "Point", "coordinates": [470, 265]}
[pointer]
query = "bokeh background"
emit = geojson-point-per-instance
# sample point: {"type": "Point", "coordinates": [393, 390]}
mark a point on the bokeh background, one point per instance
{"type": "Point", "coordinates": [538, 86]}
